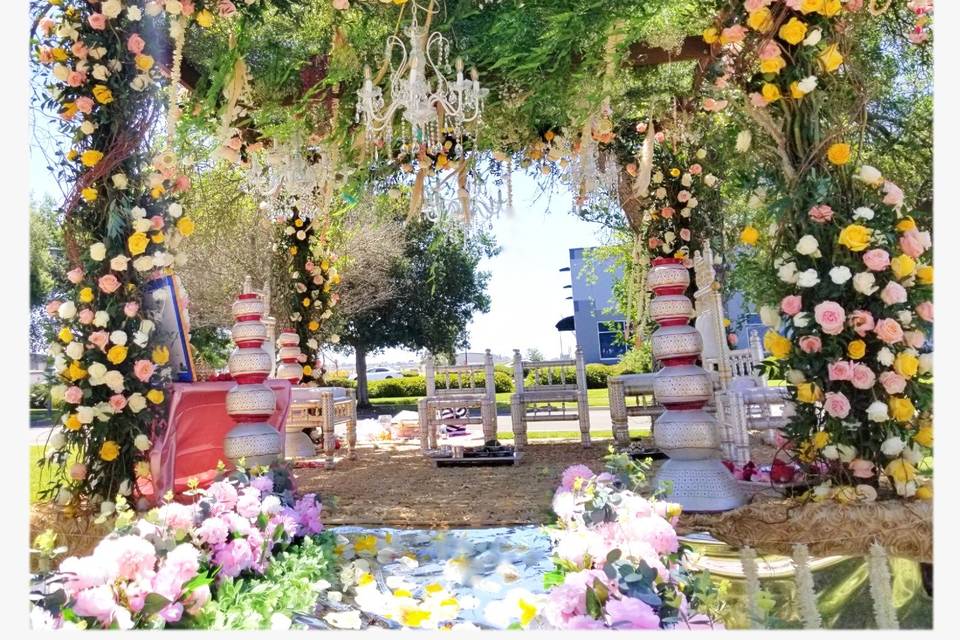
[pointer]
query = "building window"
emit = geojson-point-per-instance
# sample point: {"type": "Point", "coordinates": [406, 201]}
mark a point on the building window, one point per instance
{"type": "Point", "coordinates": [611, 345]}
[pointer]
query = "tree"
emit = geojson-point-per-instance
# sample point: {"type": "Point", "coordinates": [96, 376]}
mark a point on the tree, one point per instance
{"type": "Point", "coordinates": [534, 355]}
{"type": "Point", "coordinates": [438, 290]}
{"type": "Point", "coordinates": [46, 263]}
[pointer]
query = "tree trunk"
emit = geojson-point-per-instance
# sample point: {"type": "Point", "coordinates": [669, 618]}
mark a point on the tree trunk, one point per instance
{"type": "Point", "coordinates": [362, 396]}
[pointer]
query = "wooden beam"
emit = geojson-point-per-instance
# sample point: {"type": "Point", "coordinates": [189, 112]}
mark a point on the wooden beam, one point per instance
{"type": "Point", "coordinates": [693, 48]}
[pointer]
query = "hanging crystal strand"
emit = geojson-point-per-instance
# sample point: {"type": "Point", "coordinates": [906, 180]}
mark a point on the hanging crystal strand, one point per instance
{"type": "Point", "coordinates": [805, 588]}
{"type": "Point", "coordinates": [748, 558]}
{"type": "Point", "coordinates": [177, 30]}
{"type": "Point", "coordinates": [883, 610]}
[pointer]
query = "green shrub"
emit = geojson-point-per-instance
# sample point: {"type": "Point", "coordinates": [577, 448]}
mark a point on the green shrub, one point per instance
{"type": "Point", "coordinates": [39, 394]}
{"type": "Point", "coordinates": [410, 373]}
{"type": "Point", "coordinates": [340, 382]}
{"type": "Point", "coordinates": [638, 360]}
{"type": "Point", "coordinates": [416, 386]}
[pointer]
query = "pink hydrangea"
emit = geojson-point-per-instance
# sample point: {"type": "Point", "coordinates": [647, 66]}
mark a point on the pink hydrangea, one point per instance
{"type": "Point", "coordinates": [655, 531]}
{"type": "Point", "coordinates": [97, 602]}
{"type": "Point", "coordinates": [176, 516]}
{"type": "Point", "coordinates": [569, 600]}
{"type": "Point", "coordinates": [830, 316]}
{"type": "Point", "coordinates": [83, 573]}
{"type": "Point", "coordinates": [212, 531]}
{"type": "Point", "coordinates": [233, 558]}
{"type": "Point", "coordinates": [264, 483]}
{"type": "Point", "coordinates": [308, 514]}
{"type": "Point", "coordinates": [573, 472]}
{"type": "Point", "coordinates": [184, 561]}
{"type": "Point", "coordinates": [248, 505]}
{"type": "Point", "coordinates": [225, 495]}
{"type": "Point", "coordinates": [631, 613]}
{"type": "Point", "coordinates": [127, 557]}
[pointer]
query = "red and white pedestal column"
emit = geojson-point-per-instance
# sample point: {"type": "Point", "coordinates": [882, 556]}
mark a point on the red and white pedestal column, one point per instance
{"type": "Point", "coordinates": [297, 444]}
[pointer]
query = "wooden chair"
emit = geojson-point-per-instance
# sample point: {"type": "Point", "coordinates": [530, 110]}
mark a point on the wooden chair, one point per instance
{"type": "Point", "coordinates": [550, 384]}
{"type": "Point", "coordinates": [460, 387]}
{"type": "Point", "coordinates": [637, 387]}
{"type": "Point", "coordinates": [321, 409]}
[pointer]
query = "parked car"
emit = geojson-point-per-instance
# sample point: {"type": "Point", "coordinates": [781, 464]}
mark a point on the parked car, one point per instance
{"type": "Point", "coordinates": [379, 373]}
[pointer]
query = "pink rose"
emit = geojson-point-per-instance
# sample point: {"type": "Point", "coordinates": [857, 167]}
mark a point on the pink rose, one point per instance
{"type": "Point", "coordinates": [99, 339]}
{"type": "Point", "coordinates": [659, 136]}
{"type": "Point", "coordinates": [810, 344]}
{"type": "Point", "coordinates": [181, 184]}
{"type": "Point", "coordinates": [790, 305]}
{"type": "Point", "coordinates": [840, 370]}
{"type": "Point", "coordinates": [226, 8]}
{"type": "Point", "coordinates": [157, 222]}
{"type": "Point", "coordinates": [893, 383]}
{"type": "Point", "coordinates": [53, 306]}
{"type": "Point", "coordinates": [78, 471]}
{"type": "Point", "coordinates": [143, 369]}
{"type": "Point", "coordinates": [75, 275]}
{"type": "Point", "coordinates": [925, 310]}
{"type": "Point", "coordinates": [830, 316]}
{"type": "Point", "coordinates": [914, 339]}
{"type": "Point", "coordinates": [73, 395]}
{"type": "Point", "coordinates": [108, 283]}
{"type": "Point", "coordinates": [130, 309]}
{"type": "Point", "coordinates": [861, 321]}
{"type": "Point", "coordinates": [84, 104]}
{"type": "Point", "coordinates": [97, 21]}
{"type": "Point", "coordinates": [696, 170]}
{"type": "Point", "coordinates": [135, 44]}
{"type": "Point", "coordinates": [652, 243]}
{"type": "Point", "coordinates": [757, 100]}
{"type": "Point", "coordinates": [836, 404]}
{"type": "Point", "coordinates": [770, 50]}
{"type": "Point", "coordinates": [79, 50]}
{"type": "Point", "coordinates": [863, 377]}
{"type": "Point", "coordinates": [47, 26]}
{"type": "Point", "coordinates": [685, 234]}
{"type": "Point", "coordinates": [683, 196]}
{"type": "Point", "coordinates": [889, 330]}
{"type": "Point", "coordinates": [893, 195]}
{"type": "Point", "coordinates": [854, 5]}
{"type": "Point", "coordinates": [912, 243]}
{"type": "Point", "coordinates": [861, 468]}
{"type": "Point", "coordinates": [821, 213]}
{"type": "Point", "coordinates": [76, 78]}
{"type": "Point", "coordinates": [85, 316]}
{"type": "Point", "coordinates": [45, 55]}
{"type": "Point", "coordinates": [341, 5]}
{"type": "Point", "coordinates": [735, 33]}
{"type": "Point", "coordinates": [187, 7]}
{"type": "Point", "coordinates": [876, 259]}
{"type": "Point", "coordinates": [893, 293]}
{"type": "Point", "coordinates": [118, 402]}
{"type": "Point", "coordinates": [667, 212]}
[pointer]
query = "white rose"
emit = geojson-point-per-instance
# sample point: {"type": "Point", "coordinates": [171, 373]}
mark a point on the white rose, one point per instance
{"type": "Point", "coordinates": [56, 393]}
{"type": "Point", "coordinates": [142, 442]}
{"type": "Point", "coordinates": [98, 251]}
{"type": "Point", "coordinates": [870, 175]}
{"type": "Point", "coordinates": [103, 411]}
{"type": "Point", "coordinates": [692, 203]}
{"type": "Point", "coordinates": [808, 278]}
{"type": "Point", "coordinates": [657, 177]}
{"type": "Point", "coordinates": [885, 356]}
{"type": "Point", "coordinates": [685, 212]}
{"type": "Point", "coordinates": [661, 192]}
{"type": "Point", "coordinates": [334, 339]}
{"type": "Point", "coordinates": [913, 454]}
{"type": "Point", "coordinates": [101, 318]}
{"type": "Point", "coordinates": [137, 403]}
{"type": "Point", "coordinates": [686, 180]}
{"type": "Point", "coordinates": [877, 412]}
{"type": "Point", "coordinates": [813, 37]}
{"type": "Point", "coordinates": [710, 179]}
{"type": "Point", "coordinates": [97, 371]}
{"type": "Point", "coordinates": [60, 363]}
{"type": "Point", "coordinates": [64, 497]}
{"type": "Point", "coordinates": [161, 259]}
{"type": "Point", "coordinates": [100, 72]}
{"type": "Point", "coordinates": [905, 318]}
{"type": "Point", "coordinates": [118, 337]}
{"type": "Point", "coordinates": [839, 275]}
{"type": "Point", "coordinates": [175, 210]}
{"type": "Point", "coordinates": [55, 348]}
{"type": "Point", "coordinates": [744, 138]}
{"type": "Point", "coordinates": [313, 344]}
{"type": "Point", "coordinates": [97, 52]}
{"type": "Point", "coordinates": [801, 320]}
{"type": "Point", "coordinates": [67, 310]}
{"type": "Point", "coordinates": [134, 14]}
{"type": "Point", "coordinates": [173, 7]}
{"type": "Point", "coordinates": [142, 225]}
{"type": "Point", "coordinates": [87, 127]}
{"type": "Point", "coordinates": [863, 213]}
{"type": "Point", "coordinates": [124, 488]}
{"type": "Point", "coordinates": [795, 376]}
{"type": "Point", "coordinates": [847, 453]}
{"type": "Point", "coordinates": [770, 316]}
{"type": "Point", "coordinates": [111, 8]}
{"type": "Point", "coordinates": [301, 235]}
{"type": "Point", "coordinates": [60, 72]}
{"type": "Point", "coordinates": [808, 84]}
{"type": "Point", "coordinates": [119, 263]}
{"type": "Point", "coordinates": [114, 65]}
{"type": "Point", "coordinates": [85, 414]}
{"type": "Point", "coordinates": [57, 439]}
{"type": "Point", "coordinates": [119, 181]}
{"type": "Point", "coordinates": [892, 446]}
{"type": "Point", "coordinates": [830, 452]}
{"type": "Point", "coordinates": [807, 245]}
{"type": "Point", "coordinates": [926, 363]}
{"type": "Point", "coordinates": [143, 263]}
{"type": "Point", "coordinates": [788, 272]}
{"type": "Point", "coordinates": [669, 236]}
{"type": "Point", "coordinates": [140, 82]}
{"type": "Point", "coordinates": [114, 380]}
{"type": "Point", "coordinates": [146, 325]}
{"type": "Point", "coordinates": [153, 8]}
{"type": "Point", "coordinates": [75, 350]}
{"type": "Point", "coordinates": [138, 212]}
{"type": "Point", "coordinates": [863, 282]}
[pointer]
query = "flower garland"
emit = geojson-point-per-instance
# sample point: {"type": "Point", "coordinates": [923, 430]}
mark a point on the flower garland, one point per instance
{"type": "Point", "coordinates": [805, 588]}
{"type": "Point", "coordinates": [879, 570]}
{"type": "Point", "coordinates": [110, 362]}
{"type": "Point", "coordinates": [850, 332]}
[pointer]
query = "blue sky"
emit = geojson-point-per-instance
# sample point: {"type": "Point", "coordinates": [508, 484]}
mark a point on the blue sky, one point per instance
{"type": "Point", "coordinates": [526, 284]}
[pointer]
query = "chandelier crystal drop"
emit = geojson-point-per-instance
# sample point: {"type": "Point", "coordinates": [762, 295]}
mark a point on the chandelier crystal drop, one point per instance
{"type": "Point", "coordinates": [430, 106]}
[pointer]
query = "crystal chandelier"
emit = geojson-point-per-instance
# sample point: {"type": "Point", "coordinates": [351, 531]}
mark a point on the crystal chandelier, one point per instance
{"type": "Point", "coordinates": [430, 105]}
{"type": "Point", "coordinates": [285, 176]}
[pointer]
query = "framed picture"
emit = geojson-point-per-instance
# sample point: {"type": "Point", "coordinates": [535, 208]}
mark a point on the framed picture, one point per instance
{"type": "Point", "coordinates": [165, 303]}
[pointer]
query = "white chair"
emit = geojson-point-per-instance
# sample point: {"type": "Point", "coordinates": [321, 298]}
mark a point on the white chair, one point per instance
{"type": "Point", "coordinates": [550, 385]}
{"type": "Point", "coordinates": [460, 388]}
{"type": "Point", "coordinates": [321, 409]}
{"type": "Point", "coordinates": [637, 387]}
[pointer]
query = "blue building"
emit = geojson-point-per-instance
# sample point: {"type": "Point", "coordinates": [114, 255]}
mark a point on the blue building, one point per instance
{"type": "Point", "coordinates": [595, 320]}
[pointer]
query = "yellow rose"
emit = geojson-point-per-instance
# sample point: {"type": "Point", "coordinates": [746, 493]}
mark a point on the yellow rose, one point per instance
{"type": "Point", "coordinates": [831, 8]}
{"type": "Point", "coordinates": [924, 437]}
{"type": "Point", "coordinates": [293, 251]}
{"type": "Point", "coordinates": [831, 58]}
{"type": "Point", "coordinates": [925, 274]}
{"type": "Point", "coordinates": [778, 346]}
{"type": "Point", "coordinates": [855, 237]}
{"type": "Point", "coordinates": [72, 423]}
{"type": "Point", "coordinates": [155, 396]}
{"type": "Point", "coordinates": [924, 493]}
{"type": "Point", "coordinates": [204, 18]}
{"type": "Point", "coordinates": [143, 62]}
{"type": "Point", "coordinates": [158, 237]}
{"type": "Point", "coordinates": [102, 94]}
{"type": "Point", "coordinates": [770, 92]}
{"type": "Point", "coordinates": [65, 335]}
{"type": "Point", "coordinates": [811, 6]}
{"type": "Point", "coordinates": [69, 110]}
{"type": "Point", "coordinates": [749, 235]}
{"type": "Point", "coordinates": [91, 158]}
{"type": "Point", "coordinates": [675, 172]}
{"type": "Point", "coordinates": [821, 439]}
{"type": "Point", "coordinates": [795, 92]}
{"type": "Point", "coordinates": [109, 451]}
{"type": "Point", "coordinates": [313, 326]}
{"type": "Point", "coordinates": [86, 295]}
{"type": "Point", "coordinates": [901, 471]}
{"type": "Point", "coordinates": [794, 31]}
{"type": "Point", "coordinates": [298, 223]}
{"type": "Point", "coordinates": [117, 354]}
{"type": "Point", "coordinates": [906, 364]}
{"type": "Point", "coordinates": [808, 392]}
{"type": "Point", "coordinates": [856, 349]}
{"type": "Point", "coordinates": [325, 264]}
{"type": "Point", "coordinates": [160, 355]}
{"type": "Point", "coordinates": [839, 153]}
{"type": "Point", "coordinates": [907, 224]}
{"type": "Point", "coordinates": [89, 194]}
{"type": "Point", "coordinates": [903, 266]}
{"type": "Point", "coordinates": [72, 155]}
{"type": "Point", "coordinates": [760, 20]}
{"type": "Point", "coordinates": [901, 408]}
{"type": "Point", "coordinates": [726, 323]}
{"type": "Point", "coordinates": [710, 35]}
{"type": "Point", "coordinates": [307, 370]}
{"type": "Point", "coordinates": [137, 243]}
{"type": "Point", "coordinates": [306, 302]}
{"type": "Point", "coordinates": [185, 226]}
{"type": "Point", "coordinates": [59, 54]}
{"type": "Point", "coordinates": [76, 372]}
{"type": "Point", "coordinates": [157, 191]}
{"type": "Point", "coordinates": [772, 65]}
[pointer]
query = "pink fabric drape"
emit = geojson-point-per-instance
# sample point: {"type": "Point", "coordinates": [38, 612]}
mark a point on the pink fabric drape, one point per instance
{"type": "Point", "coordinates": [192, 443]}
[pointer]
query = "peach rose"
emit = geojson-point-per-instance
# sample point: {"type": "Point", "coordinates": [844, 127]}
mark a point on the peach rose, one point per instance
{"type": "Point", "coordinates": [876, 259]}
{"type": "Point", "coordinates": [862, 468]}
{"type": "Point", "coordinates": [696, 169]}
{"type": "Point", "coordinates": [118, 402]}
{"type": "Point", "coordinates": [925, 310]}
{"type": "Point", "coordinates": [893, 293]}
{"type": "Point", "coordinates": [135, 44]}
{"type": "Point", "coordinates": [130, 309]}
{"type": "Point", "coordinates": [893, 382]}
{"type": "Point", "coordinates": [84, 104]}
{"type": "Point", "coordinates": [75, 275]}
{"type": "Point", "coordinates": [73, 395]}
{"type": "Point", "coordinates": [667, 212]}
{"type": "Point", "coordinates": [840, 370]}
{"type": "Point", "coordinates": [157, 222]}
{"type": "Point", "coordinates": [889, 330]}
{"type": "Point", "coordinates": [76, 78]}
{"type": "Point", "coordinates": [821, 213]}
{"type": "Point", "coordinates": [685, 235]}
{"type": "Point", "coordinates": [893, 195]}
{"type": "Point", "coordinates": [97, 21]}
{"type": "Point", "coordinates": [99, 339]}
{"type": "Point", "coordinates": [830, 316]}
{"type": "Point", "coordinates": [863, 377]}
{"type": "Point", "coordinates": [85, 316]}
{"type": "Point", "coordinates": [911, 244]}
{"type": "Point", "coordinates": [810, 344]}
{"type": "Point", "coordinates": [53, 306]}
{"type": "Point", "coordinates": [836, 404]}
{"type": "Point", "coordinates": [914, 339]}
{"type": "Point", "coordinates": [143, 369]}
{"type": "Point", "coordinates": [861, 321]}
{"type": "Point", "coordinates": [108, 283]}
{"type": "Point", "coordinates": [683, 196]}
{"type": "Point", "coordinates": [790, 305]}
